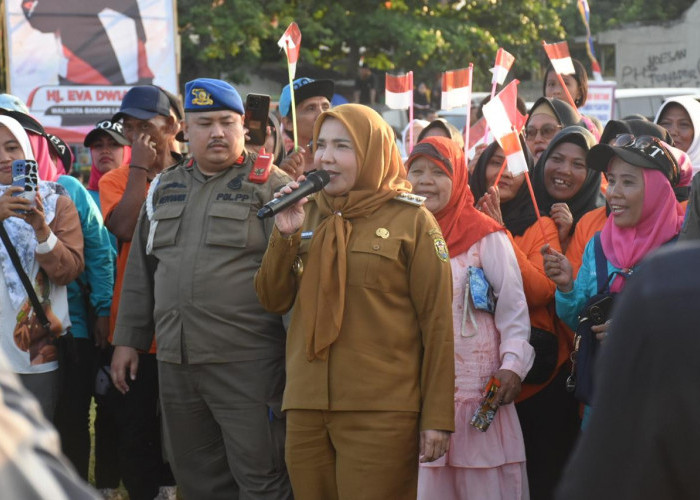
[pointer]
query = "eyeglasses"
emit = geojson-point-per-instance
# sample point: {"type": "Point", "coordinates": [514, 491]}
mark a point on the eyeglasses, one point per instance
{"type": "Point", "coordinates": [651, 146]}
{"type": "Point", "coordinates": [546, 131]}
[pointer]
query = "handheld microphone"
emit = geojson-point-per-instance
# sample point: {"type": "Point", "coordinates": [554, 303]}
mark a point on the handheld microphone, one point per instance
{"type": "Point", "coordinates": [314, 182]}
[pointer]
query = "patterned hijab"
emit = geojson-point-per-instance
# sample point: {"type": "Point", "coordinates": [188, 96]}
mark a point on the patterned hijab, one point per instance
{"type": "Point", "coordinates": [21, 233]}
{"type": "Point", "coordinates": [381, 176]}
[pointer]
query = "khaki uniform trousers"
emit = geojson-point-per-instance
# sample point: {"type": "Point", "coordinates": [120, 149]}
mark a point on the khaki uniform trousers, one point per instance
{"type": "Point", "coordinates": [352, 455]}
{"type": "Point", "coordinates": [224, 429]}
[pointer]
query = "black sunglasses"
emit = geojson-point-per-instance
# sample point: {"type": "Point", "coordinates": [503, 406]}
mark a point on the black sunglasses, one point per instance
{"type": "Point", "coordinates": [651, 146]}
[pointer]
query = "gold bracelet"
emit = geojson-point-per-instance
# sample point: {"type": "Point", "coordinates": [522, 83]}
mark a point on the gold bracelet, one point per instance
{"type": "Point", "coordinates": [139, 167]}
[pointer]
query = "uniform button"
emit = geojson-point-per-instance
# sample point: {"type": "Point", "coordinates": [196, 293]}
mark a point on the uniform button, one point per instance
{"type": "Point", "coordinates": [375, 247]}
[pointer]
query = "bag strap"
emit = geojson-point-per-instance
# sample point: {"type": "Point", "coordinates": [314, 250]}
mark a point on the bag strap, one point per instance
{"type": "Point", "coordinates": [601, 264]}
{"type": "Point", "coordinates": [36, 305]}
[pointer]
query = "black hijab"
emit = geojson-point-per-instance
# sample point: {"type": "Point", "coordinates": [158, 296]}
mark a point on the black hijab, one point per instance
{"type": "Point", "coordinates": [589, 196]}
{"type": "Point", "coordinates": [518, 213]}
{"type": "Point", "coordinates": [564, 113]}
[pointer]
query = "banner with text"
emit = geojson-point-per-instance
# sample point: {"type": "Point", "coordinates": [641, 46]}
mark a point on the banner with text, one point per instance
{"type": "Point", "coordinates": [72, 61]}
{"type": "Point", "coordinates": [601, 101]}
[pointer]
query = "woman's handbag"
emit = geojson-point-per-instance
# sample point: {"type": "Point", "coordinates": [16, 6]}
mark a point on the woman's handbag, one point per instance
{"type": "Point", "coordinates": [64, 343]}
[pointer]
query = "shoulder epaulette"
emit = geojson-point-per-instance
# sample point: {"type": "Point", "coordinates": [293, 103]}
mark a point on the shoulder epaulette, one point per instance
{"type": "Point", "coordinates": [411, 199]}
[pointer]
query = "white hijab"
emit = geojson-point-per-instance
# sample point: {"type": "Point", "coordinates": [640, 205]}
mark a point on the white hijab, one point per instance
{"type": "Point", "coordinates": [692, 107]}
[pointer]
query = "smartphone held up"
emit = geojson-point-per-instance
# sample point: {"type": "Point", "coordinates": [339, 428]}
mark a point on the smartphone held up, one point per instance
{"type": "Point", "coordinates": [257, 107]}
{"type": "Point", "coordinates": [25, 174]}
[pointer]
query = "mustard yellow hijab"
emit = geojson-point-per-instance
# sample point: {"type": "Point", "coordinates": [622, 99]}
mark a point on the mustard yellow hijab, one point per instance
{"type": "Point", "coordinates": [381, 177]}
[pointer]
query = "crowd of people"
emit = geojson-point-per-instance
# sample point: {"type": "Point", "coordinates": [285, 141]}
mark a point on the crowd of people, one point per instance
{"type": "Point", "coordinates": [342, 348]}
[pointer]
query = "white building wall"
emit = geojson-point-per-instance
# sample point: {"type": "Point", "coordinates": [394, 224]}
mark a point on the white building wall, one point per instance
{"type": "Point", "coordinates": [665, 55]}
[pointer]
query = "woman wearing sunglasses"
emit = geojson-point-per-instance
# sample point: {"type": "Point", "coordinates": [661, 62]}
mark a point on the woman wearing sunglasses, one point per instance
{"type": "Point", "coordinates": [594, 220]}
{"type": "Point", "coordinates": [644, 214]}
{"type": "Point", "coordinates": [547, 117]}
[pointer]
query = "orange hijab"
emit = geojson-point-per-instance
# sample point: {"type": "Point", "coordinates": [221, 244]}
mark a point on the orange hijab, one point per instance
{"type": "Point", "coordinates": [461, 223]}
{"type": "Point", "coordinates": [381, 177]}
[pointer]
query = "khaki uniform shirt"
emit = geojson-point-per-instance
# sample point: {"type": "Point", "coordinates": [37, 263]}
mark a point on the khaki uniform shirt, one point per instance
{"type": "Point", "coordinates": [395, 349]}
{"type": "Point", "coordinates": [195, 288]}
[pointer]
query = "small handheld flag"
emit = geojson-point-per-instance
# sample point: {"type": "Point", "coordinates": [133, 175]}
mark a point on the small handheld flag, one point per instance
{"type": "Point", "coordinates": [504, 61]}
{"type": "Point", "coordinates": [558, 54]}
{"type": "Point", "coordinates": [456, 88]}
{"type": "Point", "coordinates": [290, 42]}
{"type": "Point", "coordinates": [399, 91]}
{"type": "Point", "coordinates": [560, 58]}
{"type": "Point", "coordinates": [399, 95]}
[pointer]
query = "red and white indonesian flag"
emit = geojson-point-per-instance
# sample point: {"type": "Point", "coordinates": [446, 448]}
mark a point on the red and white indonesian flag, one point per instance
{"type": "Point", "coordinates": [504, 61]}
{"type": "Point", "coordinates": [478, 135]}
{"type": "Point", "coordinates": [291, 43]}
{"type": "Point", "coordinates": [560, 58]}
{"type": "Point", "coordinates": [499, 118]}
{"type": "Point", "coordinates": [456, 88]}
{"type": "Point", "coordinates": [399, 91]}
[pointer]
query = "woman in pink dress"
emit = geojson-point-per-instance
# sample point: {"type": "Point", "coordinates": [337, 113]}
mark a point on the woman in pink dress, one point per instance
{"type": "Point", "coordinates": [479, 465]}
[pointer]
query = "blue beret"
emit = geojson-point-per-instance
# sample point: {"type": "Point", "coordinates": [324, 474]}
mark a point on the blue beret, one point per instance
{"type": "Point", "coordinates": [208, 94]}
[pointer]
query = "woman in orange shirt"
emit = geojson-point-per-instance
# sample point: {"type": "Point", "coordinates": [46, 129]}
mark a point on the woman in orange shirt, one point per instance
{"type": "Point", "coordinates": [548, 414]}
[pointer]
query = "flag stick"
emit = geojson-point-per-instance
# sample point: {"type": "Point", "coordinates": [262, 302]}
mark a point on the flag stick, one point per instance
{"type": "Point", "coordinates": [566, 91]}
{"type": "Point", "coordinates": [293, 104]}
{"type": "Point", "coordinates": [469, 116]}
{"type": "Point", "coordinates": [500, 172]}
{"type": "Point", "coordinates": [537, 209]}
{"type": "Point", "coordinates": [410, 116]}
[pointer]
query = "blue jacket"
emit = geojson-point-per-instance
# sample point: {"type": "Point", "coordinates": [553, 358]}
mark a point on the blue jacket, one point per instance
{"type": "Point", "coordinates": [569, 304]}
{"type": "Point", "coordinates": [100, 258]}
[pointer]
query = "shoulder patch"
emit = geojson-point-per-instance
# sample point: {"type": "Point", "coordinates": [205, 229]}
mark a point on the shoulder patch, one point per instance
{"type": "Point", "coordinates": [441, 248]}
{"type": "Point", "coordinates": [411, 199]}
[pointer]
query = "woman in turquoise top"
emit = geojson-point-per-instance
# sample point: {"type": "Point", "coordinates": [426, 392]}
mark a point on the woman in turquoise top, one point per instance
{"type": "Point", "coordinates": [644, 214]}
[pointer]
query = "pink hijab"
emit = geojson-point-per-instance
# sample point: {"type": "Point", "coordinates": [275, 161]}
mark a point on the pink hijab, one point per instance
{"type": "Point", "coordinates": [96, 175]}
{"type": "Point", "coordinates": [685, 166]}
{"type": "Point", "coordinates": [48, 171]}
{"type": "Point", "coordinates": [661, 220]}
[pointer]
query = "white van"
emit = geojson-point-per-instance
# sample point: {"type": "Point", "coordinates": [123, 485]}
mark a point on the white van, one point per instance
{"type": "Point", "coordinates": [646, 101]}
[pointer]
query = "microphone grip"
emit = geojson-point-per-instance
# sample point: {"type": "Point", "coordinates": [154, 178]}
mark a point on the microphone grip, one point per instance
{"type": "Point", "coordinates": [314, 182]}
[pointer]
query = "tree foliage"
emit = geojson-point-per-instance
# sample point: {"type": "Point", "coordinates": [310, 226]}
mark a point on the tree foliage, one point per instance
{"type": "Point", "coordinates": [226, 36]}
{"type": "Point", "coordinates": [611, 14]}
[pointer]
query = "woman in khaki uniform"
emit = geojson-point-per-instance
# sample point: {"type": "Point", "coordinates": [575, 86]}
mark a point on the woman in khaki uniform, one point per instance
{"type": "Point", "coordinates": [370, 368]}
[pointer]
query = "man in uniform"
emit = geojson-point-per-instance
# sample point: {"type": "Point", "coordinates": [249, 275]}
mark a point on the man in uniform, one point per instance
{"type": "Point", "coordinates": [189, 278]}
{"type": "Point", "coordinates": [312, 97]}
